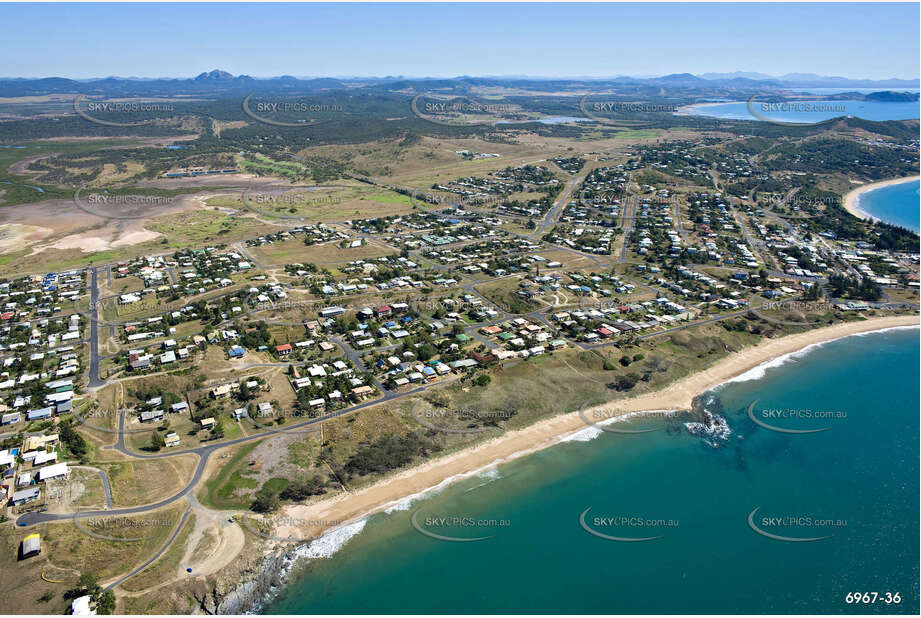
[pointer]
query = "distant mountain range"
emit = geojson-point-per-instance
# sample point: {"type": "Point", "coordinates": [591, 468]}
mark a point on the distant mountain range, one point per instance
{"type": "Point", "coordinates": [218, 82]}
{"type": "Point", "coordinates": [801, 80]}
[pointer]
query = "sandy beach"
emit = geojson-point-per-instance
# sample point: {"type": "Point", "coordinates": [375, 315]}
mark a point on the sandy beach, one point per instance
{"type": "Point", "coordinates": [688, 110]}
{"type": "Point", "coordinates": [347, 508]}
{"type": "Point", "coordinates": [850, 200]}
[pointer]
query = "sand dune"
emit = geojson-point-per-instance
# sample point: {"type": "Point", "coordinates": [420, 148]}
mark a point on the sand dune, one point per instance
{"type": "Point", "coordinates": [349, 507]}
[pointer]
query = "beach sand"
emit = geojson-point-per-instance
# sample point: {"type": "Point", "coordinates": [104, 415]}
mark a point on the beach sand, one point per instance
{"type": "Point", "coordinates": [688, 110]}
{"type": "Point", "coordinates": [850, 200]}
{"type": "Point", "coordinates": [347, 508]}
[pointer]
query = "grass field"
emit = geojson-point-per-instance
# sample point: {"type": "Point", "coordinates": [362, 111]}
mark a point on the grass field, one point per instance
{"type": "Point", "coordinates": [145, 481]}
{"type": "Point", "coordinates": [325, 255]}
{"type": "Point", "coordinates": [67, 552]}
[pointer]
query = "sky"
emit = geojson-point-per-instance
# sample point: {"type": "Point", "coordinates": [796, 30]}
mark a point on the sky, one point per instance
{"type": "Point", "coordinates": [871, 41]}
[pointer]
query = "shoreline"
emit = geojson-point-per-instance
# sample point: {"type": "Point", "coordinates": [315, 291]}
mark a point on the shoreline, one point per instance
{"type": "Point", "coordinates": [852, 199]}
{"type": "Point", "coordinates": [396, 492]}
{"type": "Point", "coordinates": [688, 110]}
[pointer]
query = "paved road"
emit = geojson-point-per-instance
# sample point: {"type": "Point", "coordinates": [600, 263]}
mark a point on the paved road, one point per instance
{"type": "Point", "coordinates": [203, 452]}
{"type": "Point", "coordinates": [680, 223]}
{"type": "Point", "coordinates": [159, 553]}
{"type": "Point", "coordinates": [105, 482]}
{"type": "Point", "coordinates": [94, 381]}
{"type": "Point", "coordinates": [554, 214]}
{"type": "Point", "coordinates": [629, 222]}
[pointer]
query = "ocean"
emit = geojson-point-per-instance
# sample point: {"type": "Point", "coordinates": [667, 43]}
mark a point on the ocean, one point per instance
{"type": "Point", "coordinates": [707, 505]}
{"type": "Point", "coordinates": [812, 111]}
{"type": "Point", "coordinates": [897, 204]}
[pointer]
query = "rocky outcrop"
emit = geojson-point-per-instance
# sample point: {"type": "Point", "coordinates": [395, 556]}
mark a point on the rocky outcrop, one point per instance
{"type": "Point", "coordinates": [241, 590]}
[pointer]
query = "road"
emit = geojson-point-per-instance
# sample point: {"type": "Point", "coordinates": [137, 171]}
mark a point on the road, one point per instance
{"type": "Point", "coordinates": [205, 451]}
{"type": "Point", "coordinates": [159, 553]}
{"type": "Point", "coordinates": [553, 215]}
{"type": "Point", "coordinates": [94, 381]}
{"type": "Point", "coordinates": [105, 482]}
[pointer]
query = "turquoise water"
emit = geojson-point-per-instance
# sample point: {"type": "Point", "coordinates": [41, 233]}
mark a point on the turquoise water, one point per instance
{"type": "Point", "coordinates": [817, 112]}
{"type": "Point", "coordinates": [897, 204]}
{"type": "Point", "coordinates": [863, 471]}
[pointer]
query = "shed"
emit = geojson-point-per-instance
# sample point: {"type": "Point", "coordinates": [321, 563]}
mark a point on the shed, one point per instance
{"type": "Point", "coordinates": [31, 546]}
{"type": "Point", "coordinates": [53, 471]}
{"type": "Point", "coordinates": [24, 496]}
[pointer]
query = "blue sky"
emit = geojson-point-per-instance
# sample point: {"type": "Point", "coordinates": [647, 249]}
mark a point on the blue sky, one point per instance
{"type": "Point", "coordinates": [173, 40]}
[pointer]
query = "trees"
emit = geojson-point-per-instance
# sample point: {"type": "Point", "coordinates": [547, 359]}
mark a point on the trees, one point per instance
{"type": "Point", "coordinates": [303, 488]}
{"type": "Point", "coordinates": [218, 429]}
{"type": "Point", "coordinates": [156, 441]}
{"type": "Point", "coordinates": [624, 382]}
{"type": "Point", "coordinates": [105, 602]}
{"type": "Point", "coordinates": [266, 501]}
{"type": "Point", "coordinates": [73, 440]}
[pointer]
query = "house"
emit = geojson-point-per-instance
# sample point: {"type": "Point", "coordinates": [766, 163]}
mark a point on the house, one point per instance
{"type": "Point", "coordinates": [42, 413]}
{"type": "Point", "coordinates": [178, 407]}
{"type": "Point", "coordinates": [264, 408]}
{"type": "Point", "coordinates": [221, 391]}
{"type": "Point", "coordinates": [81, 606]}
{"type": "Point", "coordinates": [442, 369]}
{"type": "Point", "coordinates": [171, 440]}
{"type": "Point", "coordinates": [44, 457]}
{"type": "Point", "coordinates": [31, 546]}
{"type": "Point", "coordinates": [236, 352]}
{"type": "Point", "coordinates": [24, 496]}
{"type": "Point", "coordinates": [330, 312]}
{"type": "Point", "coordinates": [316, 403]}
{"type": "Point", "coordinates": [239, 413]}
{"type": "Point", "coordinates": [361, 392]}
{"type": "Point", "coordinates": [35, 443]}
{"type": "Point", "coordinates": [484, 359]}
{"type": "Point", "coordinates": [53, 471]}
{"type": "Point", "coordinates": [149, 416]}
{"type": "Point", "coordinates": [9, 419]}
{"type": "Point", "coordinates": [138, 362]}
{"type": "Point", "coordinates": [283, 349]}
{"type": "Point", "coordinates": [207, 423]}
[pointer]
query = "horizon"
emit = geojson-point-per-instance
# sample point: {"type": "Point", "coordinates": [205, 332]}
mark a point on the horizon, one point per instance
{"type": "Point", "coordinates": [713, 76]}
{"type": "Point", "coordinates": [551, 40]}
